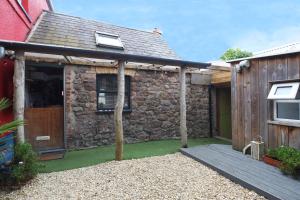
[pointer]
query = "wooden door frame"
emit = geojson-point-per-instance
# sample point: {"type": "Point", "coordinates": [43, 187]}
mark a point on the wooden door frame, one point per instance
{"type": "Point", "coordinates": [63, 67]}
{"type": "Point", "coordinates": [217, 120]}
{"type": "Point", "coordinates": [64, 104]}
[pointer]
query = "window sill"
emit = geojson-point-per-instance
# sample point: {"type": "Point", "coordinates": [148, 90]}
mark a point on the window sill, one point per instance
{"type": "Point", "coordinates": [111, 111]}
{"type": "Point", "coordinates": [283, 123]}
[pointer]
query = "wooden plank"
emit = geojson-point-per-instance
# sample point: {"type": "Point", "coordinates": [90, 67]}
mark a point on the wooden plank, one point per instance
{"type": "Point", "coordinates": [254, 99]}
{"type": "Point", "coordinates": [294, 137]}
{"type": "Point", "coordinates": [220, 77]}
{"type": "Point", "coordinates": [45, 122]}
{"type": "Point", "coordinates": [283, 137]}
{"type": "Point", "coordinates": [280, 72]}
{"type": "Point", "coordinates": [271, 68]}
{"type": "Point", "coordinates": [234, 110]}
{"type": "Point", "coordinates": [246, 109]}
{"type": "Point", "coordinates": [272, 138]}
{"type": "Point", "coordinates": [240, 114]}
{"type": "Point", "coordinates": [263, 105]}
{"type": "Point", "coordinates": [293, 67]}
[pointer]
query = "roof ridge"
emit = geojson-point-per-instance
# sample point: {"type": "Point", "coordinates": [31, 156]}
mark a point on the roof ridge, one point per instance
{"type": "Point", "coordinates": [93, 20]}
{"type": "Point", "coordinates": [276, 48]}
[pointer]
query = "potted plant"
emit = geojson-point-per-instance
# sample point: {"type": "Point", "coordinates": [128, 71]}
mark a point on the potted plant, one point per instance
{"type": "Point", "coordinates": [286, 158]}
{"type": "Point", "coordinates": [271, 159]}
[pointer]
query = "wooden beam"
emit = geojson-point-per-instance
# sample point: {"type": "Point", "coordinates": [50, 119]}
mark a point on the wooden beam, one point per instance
{"type": "Point", "coordinates": [89, 53]}
{"type": "Point", "coordinates": [220, 77]}
{"type": "Point", "coordinates": [118, 124]}
{"type": "Point", "coordinates": [19, 92]}
{"type": "Point", "coordinates": [183, 128]}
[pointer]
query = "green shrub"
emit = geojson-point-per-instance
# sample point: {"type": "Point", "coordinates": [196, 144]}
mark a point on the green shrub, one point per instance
{"type": "Point", "coordinates": [24, 167]}
{"type": "Point", "coordinates": [290, 158]}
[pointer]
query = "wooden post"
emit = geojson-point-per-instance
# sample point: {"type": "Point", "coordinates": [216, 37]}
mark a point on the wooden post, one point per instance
{"type": "Point", "coordinates": [119, 111]}
{"type": "Point", "coordinates": [19, 92]}
{"type": "Point", "coordinates": [183, 128]}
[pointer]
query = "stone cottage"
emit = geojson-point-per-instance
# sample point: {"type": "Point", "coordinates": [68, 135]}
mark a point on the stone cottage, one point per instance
{"type": "Point", "coordinates": [69, 100]}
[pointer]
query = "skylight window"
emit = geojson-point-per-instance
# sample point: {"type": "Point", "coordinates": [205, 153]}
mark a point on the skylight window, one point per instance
{"type": "Point", "coordinates": [108, 40]}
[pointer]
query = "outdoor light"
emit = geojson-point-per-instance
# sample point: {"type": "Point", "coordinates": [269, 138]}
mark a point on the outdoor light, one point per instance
{"type": "Point", "coordinates": [2, 52]}
{"type": "Point", "coordinates": [244, 64]}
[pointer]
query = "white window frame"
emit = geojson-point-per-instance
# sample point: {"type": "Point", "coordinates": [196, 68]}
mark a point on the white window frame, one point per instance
{"type": "Point", "coordinates": [292, 95]}
{"type": "Point", "coordinates": [284, 101]}
{"type": "Point", "coordinates": [108, 35]}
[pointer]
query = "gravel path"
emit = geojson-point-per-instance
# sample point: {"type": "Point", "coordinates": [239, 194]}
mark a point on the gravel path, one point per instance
{"type": "Point", "coordinates": [163, 177]}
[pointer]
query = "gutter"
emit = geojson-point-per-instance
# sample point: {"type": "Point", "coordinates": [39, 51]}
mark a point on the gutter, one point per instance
{"type": "Point", "coordinates": [100, 54]}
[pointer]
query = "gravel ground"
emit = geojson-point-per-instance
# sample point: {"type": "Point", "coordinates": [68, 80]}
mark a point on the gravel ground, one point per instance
{"type": "Point", "coordinates": [163, 177]}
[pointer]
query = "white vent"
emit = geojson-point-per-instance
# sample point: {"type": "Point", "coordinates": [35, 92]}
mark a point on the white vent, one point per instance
{"type": "Point", "coordinates": [108, 40]}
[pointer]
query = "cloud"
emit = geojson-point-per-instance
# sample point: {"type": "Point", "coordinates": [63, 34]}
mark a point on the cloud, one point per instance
{"type": "Point", "coordinates": [257, 40]}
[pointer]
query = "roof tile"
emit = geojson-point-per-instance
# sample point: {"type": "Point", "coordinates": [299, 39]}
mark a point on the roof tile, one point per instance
{"type": "Point", "coordinates": [60, 29]}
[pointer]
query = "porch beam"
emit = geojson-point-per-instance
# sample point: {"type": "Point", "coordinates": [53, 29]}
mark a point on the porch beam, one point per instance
{"type": "Point", "coordinates": [183, 128]}
{"type": "Point", "coordinates": [118, 123]}
{"type": "Point", "coordinates": [19, 92]}
{"type": "Point", "coordinates": [79, 52]}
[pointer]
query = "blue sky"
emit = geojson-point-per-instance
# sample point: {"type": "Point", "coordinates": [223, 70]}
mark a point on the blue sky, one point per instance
{"type": "Point", "coordinates": [199, 30]}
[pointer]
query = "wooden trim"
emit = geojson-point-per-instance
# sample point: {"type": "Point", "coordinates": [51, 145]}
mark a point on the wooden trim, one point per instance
{"type": "Point", "coordinates": [285, 81]}
{"type": "Point", "coordinates": [281, 123]}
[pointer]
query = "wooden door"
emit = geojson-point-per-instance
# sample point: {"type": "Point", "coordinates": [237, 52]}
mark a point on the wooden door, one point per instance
{"type": "Point", "coordinates": [44, 127]}
{"type": "Point", "coordinates": [224, 112]}
{"type": "Point", "coordinates": [44, 112]}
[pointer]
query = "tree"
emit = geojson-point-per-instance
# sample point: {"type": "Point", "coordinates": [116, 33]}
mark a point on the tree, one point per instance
{"type": "Point", "coordinates": [231, 54]}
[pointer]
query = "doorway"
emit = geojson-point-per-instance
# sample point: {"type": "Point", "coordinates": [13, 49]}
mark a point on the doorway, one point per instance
{"type": "Point", "coordinates": [44, 107]}
{"type": "Point", "coordinates": [223, 104]}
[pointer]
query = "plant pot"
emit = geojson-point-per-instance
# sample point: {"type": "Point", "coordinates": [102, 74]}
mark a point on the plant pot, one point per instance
{"type": "Point", "coordinates": [271, 161]}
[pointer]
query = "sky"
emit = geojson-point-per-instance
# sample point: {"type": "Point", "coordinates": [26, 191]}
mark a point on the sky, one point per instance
{"type": "Point", "coordinates": [199, 30]}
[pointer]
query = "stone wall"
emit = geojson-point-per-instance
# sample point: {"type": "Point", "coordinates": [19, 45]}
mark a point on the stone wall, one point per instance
{"type": "Point", "coordinates": [154, 103]}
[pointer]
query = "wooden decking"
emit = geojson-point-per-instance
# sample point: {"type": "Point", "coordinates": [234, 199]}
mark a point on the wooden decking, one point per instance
{"type": "Point", "coordinates": [254, 175]}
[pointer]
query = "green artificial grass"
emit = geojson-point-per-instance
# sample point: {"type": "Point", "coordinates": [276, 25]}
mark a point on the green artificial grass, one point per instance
{"type": "Point", "coordinates": [88, 157]}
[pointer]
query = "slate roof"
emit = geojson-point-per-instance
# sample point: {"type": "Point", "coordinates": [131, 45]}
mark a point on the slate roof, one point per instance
{"type": "Point", "coordinates": [70, 31]}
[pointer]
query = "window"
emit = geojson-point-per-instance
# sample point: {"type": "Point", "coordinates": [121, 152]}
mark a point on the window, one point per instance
{"type": "Point", "coordinates": [107, 92]}
{"type": "Point", "coordinates": [287, 110]}
{"type": "Point", "coordinates": [286, 101]}
{"type": "Point", "coordinates": [108, 40]}
{"type": "Point", "coordinates": [284, 91]}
